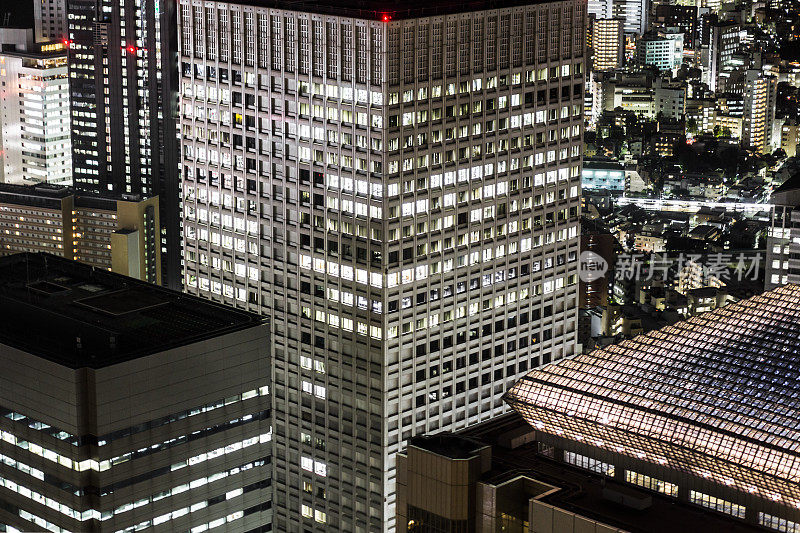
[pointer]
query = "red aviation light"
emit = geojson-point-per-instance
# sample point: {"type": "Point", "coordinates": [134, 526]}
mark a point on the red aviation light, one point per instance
{"type": "Point", "coordinates": [386, 17]}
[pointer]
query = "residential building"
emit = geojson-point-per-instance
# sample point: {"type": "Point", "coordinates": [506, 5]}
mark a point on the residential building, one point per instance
{"type": "Point", "coordinates": [759, 112]}
{"type": "Point", "coordinates": [126, 406]}
{"type": "Point", "coordinates": [34, 106]}
{"type": "Point", "coordinates": [608, 44]}
{"type": "Point", "coordinates": [636, 412]}
{"type": "Point", "coordinates": [399, 192]}
{"type": "Point", "coordinates": [123, 76]}
{"type": "Point", "coordinates": [116, 234]}
{"type": "Point", "coordinates": [496, 477]}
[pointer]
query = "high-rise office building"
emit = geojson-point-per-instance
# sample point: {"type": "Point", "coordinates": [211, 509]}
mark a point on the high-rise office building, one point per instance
{"type": "Point", "coordinates": [608, 44]}
{"type": "Point", "coordinates": [758, 122]}
{"type": "Point", "coordinates": [723, 41]}
{"type": "Point", "coordinates": [125, 406]}
{"type": "Point", "coordinates": [122, 62]}
{"type": "Point", "coordinates": [399, 191]}
{"type": "Point", "coordinates": [635, 14]}
{"type": "Point", "coordinates": [34, 103]}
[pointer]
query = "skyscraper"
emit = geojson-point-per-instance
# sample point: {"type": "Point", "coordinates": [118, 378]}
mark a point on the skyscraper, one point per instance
{"type": "Point", "coordinates": [34, 102]}
{"type": "Point", "coordinates": [122, 83]}
{"type": "Point", "coordinates": [399, 191]}
{"type": "Point", "coordinates": [717, 51]}
{"type": "Point", "coordinates": [47, 18]}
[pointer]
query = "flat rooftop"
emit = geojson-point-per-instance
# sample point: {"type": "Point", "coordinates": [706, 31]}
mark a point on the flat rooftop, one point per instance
{"type": "Point", "coordinates": [80, 316]}
{"type": "Point", "coordinates": [581, 490]}
{"type": "Point", "coordinates": [389, 10]}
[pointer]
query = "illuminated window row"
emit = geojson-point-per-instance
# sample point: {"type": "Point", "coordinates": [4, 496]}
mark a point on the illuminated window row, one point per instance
{"type": "Point", "coordinates": [102, 466]}
{"type": "Point", "coordinates": [106, 439]}
{"type": "Point", "coordinates": [588, 463]}
{"type": "Point", "coordinates": [716, 504]}
{"type": "Point", "coordinates": [94, 514]}
{"type": "Point", "coordinates": [777, 523]}
{"type": "Point", "coordinates": [199, 482]}
{"type": "Point", "coordinates": [311, 465]}
{"type": "Point", "coordinates": [657, 485]}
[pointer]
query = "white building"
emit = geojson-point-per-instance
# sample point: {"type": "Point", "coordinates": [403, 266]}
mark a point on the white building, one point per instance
{"type": "Point", "coordinates": [400, 195]}
{"type": "Point", "coordinates": [663, 50]}
{"type": "Point", "coordinates": [34, 110]}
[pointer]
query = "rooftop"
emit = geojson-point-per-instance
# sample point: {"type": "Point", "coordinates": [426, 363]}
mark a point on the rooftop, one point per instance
{"type": "Point", "coordinates": [389, 10]}
{"type": "Point", "coordinates": [80, 316]}
{"type": "Point", "coordinates": [581, 491]}
{"type": "Point", "coordinates": [715, 396]}
{"type": "Point", "coordinates": [448, 445]}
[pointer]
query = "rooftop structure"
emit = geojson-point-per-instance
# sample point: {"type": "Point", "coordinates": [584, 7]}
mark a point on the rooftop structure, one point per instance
{"type": "Point", "coordinates": [390, 10]}
{"type": "Point", "coordinates": [494, 476]}
{"type": "Point", "coordinates": [96, 318]}
{"type": "Point", "coordinates": [709, 404]}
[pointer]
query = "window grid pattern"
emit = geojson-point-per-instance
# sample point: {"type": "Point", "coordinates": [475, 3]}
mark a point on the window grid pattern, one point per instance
{"type": "Point", "coordinates": [716, 504]}
{"type": "Point", "coordinates": [588, 463]}
{"type": "Point", "coordinates": [715, 396]}
{"type": "Point", "coordinates": [777, 523]}
{"type": "Point", "coordinates": [651, 483]}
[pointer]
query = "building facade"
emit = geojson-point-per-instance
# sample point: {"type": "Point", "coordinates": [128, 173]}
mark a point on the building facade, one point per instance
{"type": "Point", "coordinates": [790, 137]}
{"type": "Point", "coordinates": [760, 96]}
{"type": "Point", "coordinates": [135, 407]}
{"type": "Point", "coordinates": [34, 109]}
{"type": "Point", "coordinates": [400, 194]}
{"type": "Point", "coordinates": [608, 44]}
{"type": "Point", "coordinates": [725, 39]}
{"type": "Point", "coordinates": [661, 50]}
{"type": "Point", "coordinates": [108, 233]}
{"type": "Point", "coordinates": [783, 240]}
{"type": "Point", "coordinates": [123, 97]}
